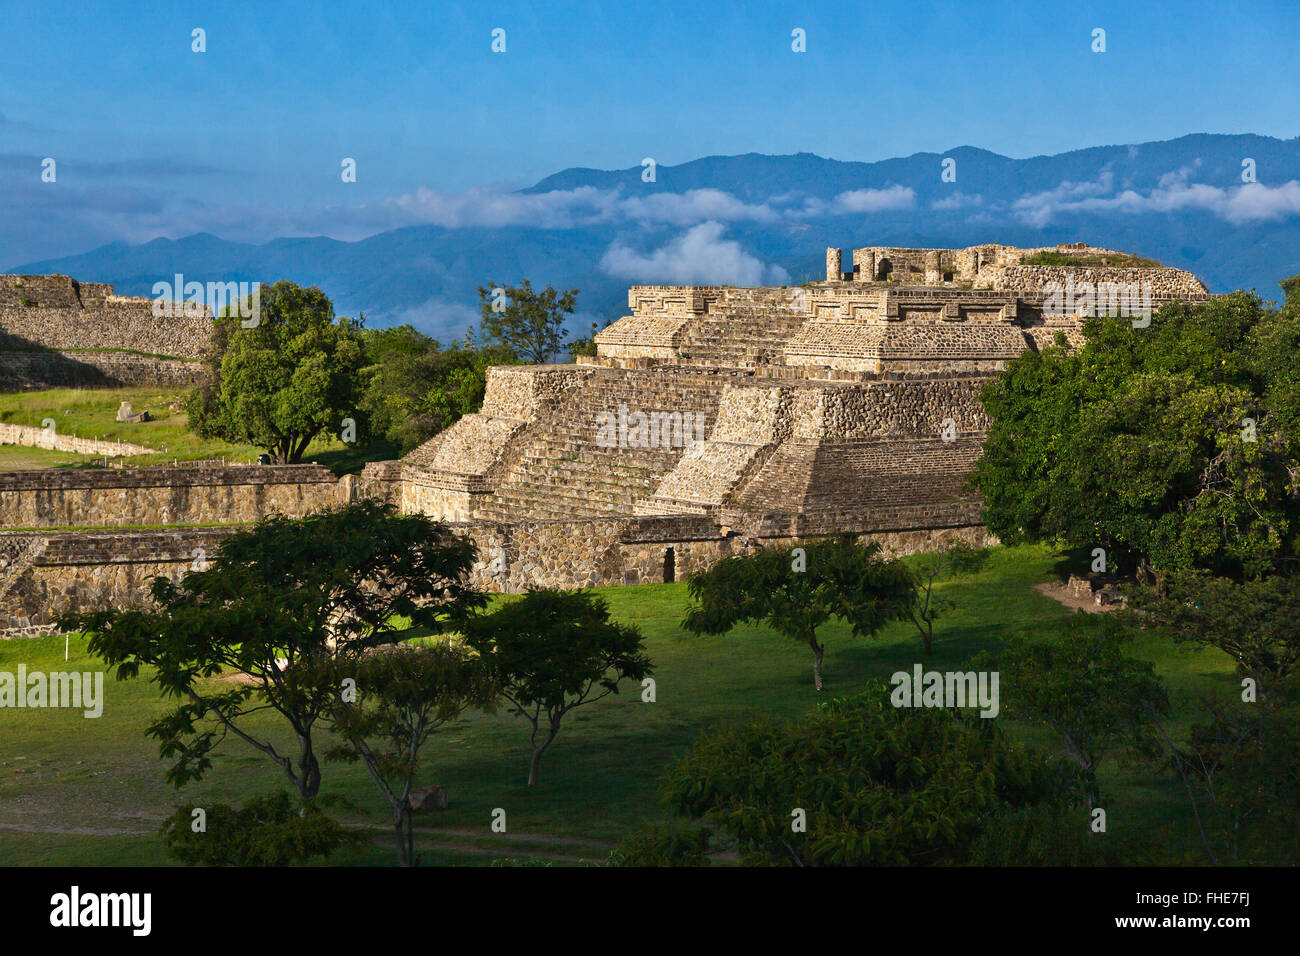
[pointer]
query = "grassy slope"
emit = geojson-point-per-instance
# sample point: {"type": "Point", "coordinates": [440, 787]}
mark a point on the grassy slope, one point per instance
{"type": "Point", "coordinates": [92, 413]}
{"type": "Point", "coordinates": [61, 772]}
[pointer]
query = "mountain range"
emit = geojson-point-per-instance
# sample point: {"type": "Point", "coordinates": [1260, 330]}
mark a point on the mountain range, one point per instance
{"type": "Point", "coordinates": [1226, 207]}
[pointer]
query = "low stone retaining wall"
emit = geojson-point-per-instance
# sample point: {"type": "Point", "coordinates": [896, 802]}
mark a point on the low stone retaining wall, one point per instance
{"type": "Point", "coordinates": [32, 437]}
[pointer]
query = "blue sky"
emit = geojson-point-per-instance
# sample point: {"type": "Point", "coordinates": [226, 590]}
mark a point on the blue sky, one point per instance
{"type": "Point", "coordinates": [154, 139]}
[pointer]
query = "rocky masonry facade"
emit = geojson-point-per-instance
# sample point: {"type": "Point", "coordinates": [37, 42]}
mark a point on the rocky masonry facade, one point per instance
{"type": "Point", "coordinates": [148, 497]}
{"type": "Point", "coordinates": [43, 572]}
{"type": "Point", "coordinates": [840, 399]}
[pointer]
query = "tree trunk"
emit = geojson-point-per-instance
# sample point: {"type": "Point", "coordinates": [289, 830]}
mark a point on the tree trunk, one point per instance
{"type": "Point", "coordinates": [308, 779]}
{"type": "Point", "coordinates": [535, 766]}
{"type": "Point", "coordinates": [402, 824]}
{"type": "Point", "coordinates": [818, 650]}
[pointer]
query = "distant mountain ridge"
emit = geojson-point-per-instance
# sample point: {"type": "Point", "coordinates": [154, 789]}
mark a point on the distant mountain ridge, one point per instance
{"type": "Point", "coordinates": [1170, 200]}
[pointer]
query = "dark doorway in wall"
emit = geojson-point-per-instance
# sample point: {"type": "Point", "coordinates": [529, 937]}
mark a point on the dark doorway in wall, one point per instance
{"type": "Point", "coordinates": [670, 566]}
{"type": "Point", "coordinates": [883, 268]}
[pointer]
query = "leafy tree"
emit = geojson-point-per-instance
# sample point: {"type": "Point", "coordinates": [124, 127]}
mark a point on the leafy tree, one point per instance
{"type": "Point", "coordinates": [403, 696]}
{"type": "Point", "coordinates": [585, 345]}
{"type": "Point", "coordinates": [1084, 688]}
{"type": "Point", "coordinates": [272, 830]}
{"type": "Point", "coordinates": [930, 568]}
{"type": "Point", "coordinates": [528, 322]}
{"type": "Point", "coordinates": [1173, 447]}
{"type": "Point", "coordinates": [553, 651]}
{"type": "Point", "coordinates": [414, 388]}
{"type": "Point", "coordinates": [281, 382]}
{"type": "Point", "coordinates": [877, 785]}
{"type": "Point", "coordinates": [1253, 622]}
{"type": "Point", "coordinates": [274, 603]}
{"type": "Point", "coordinates": [797, 590]}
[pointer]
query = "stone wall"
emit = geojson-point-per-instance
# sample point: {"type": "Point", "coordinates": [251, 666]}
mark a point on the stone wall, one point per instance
{"type": "Point", "coordinates": [184, 494]}
{"type": "Point", "coordinates": [45, 575]}
{"type": "Point", "coordinates": [78, 325]}
{"type": "Point", "coordinates": [32, 437]}
{"type": "Point", "coordinates": [34, 369]}
{"type": "Point", "coordinates": [1164, 283]}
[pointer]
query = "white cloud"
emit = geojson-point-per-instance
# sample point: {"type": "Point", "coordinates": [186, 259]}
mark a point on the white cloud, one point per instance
{"type": "Point", "coordinates": [958, 200]}
{"type": "Point", "coordinates": [1249, 202]}
{"type": "Point", "coordinates": [700, 256]}
{"type": "Point", "coordinates": [859, 201]}
{"type": "Point", "coordinates": [563, 209]}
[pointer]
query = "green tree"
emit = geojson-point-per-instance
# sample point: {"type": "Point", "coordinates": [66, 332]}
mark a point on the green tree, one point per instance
{"type": "Point", "coordinates": [660, 843]}
{"type": "Point", "coordinates": [1172, 446]}
{"type": "Point", "coordinates": [553, 651]}
{"type": "Point", "coordinates": [858, 782]}
{"type": "Point", "coordinates": [586, 345]}
{"type": "Point", "coordinates": [796, 590]}
{"type": "Point", "coordinates": [274, 604]}
{"type": "Point", "coordinates": [282, 381]}
{"type": "Point", "coordinates": [414, 388]}
{"type": "Point", "coordinates": [1084, 688]}
{"type": "Point", "coordinates": [528, 322]}
{"type": "Point", "coordinates": [403, 695]}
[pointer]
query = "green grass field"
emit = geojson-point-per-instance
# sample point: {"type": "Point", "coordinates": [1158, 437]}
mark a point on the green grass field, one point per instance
{"type": "Point", "coordinates": [92, 413]}
{"type": "Point", "coordinates": [83, 791]}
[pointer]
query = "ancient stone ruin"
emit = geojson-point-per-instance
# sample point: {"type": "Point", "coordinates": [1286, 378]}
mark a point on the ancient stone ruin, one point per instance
{"type": "Point", "coordinates": [714, 418]}
{"type": "Point", "coordinates": [711, 420]}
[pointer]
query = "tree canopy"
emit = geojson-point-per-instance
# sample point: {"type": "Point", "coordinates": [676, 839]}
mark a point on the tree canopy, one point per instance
{"type": "Point", "coordinates": [859, 782]}
{"type": "Point", "coordinates": [415, 388]}
{"type": "Point", "coordinates": [1173, 446]}
{"type": "Point", "coordinates": [795, 590]}
{"type": "Point", "coordinates": [279, 382]}
{"type": "Point", "coordinates": [528, 322]}
{"type": "Point", "coordinates": [553, 651]}
{"type": "Point", "coordinates": [404, 694]}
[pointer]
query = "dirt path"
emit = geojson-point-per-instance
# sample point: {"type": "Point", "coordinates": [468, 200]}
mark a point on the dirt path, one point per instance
{"type": "Point", "coordinates": [1062, 595]}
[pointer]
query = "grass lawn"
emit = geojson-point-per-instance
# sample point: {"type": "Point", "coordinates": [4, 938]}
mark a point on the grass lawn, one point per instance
{"type": "Point", "coordinates": [92, 791]}
{"type": "Point", "coordinates": [92, 413]}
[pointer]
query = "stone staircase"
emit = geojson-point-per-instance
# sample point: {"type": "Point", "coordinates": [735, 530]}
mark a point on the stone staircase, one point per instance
{"type": "Point", "coordinates": [740, 336]}
{"type": "Point", "coordinates": [563, 472]}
